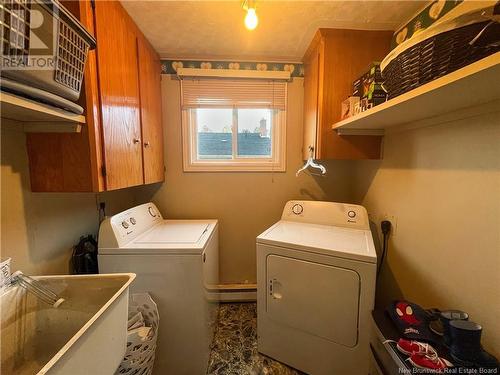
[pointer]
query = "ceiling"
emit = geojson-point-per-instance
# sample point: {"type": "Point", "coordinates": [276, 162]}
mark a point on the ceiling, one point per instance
{"type": "Point", "coordinates": [215, 30]}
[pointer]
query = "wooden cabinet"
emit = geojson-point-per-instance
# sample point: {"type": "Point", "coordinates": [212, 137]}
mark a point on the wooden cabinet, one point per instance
{"type": "Point", "coordinates": [122, 142]}
{"type": "Point", "coordinates": [119, 95]}
{"type": "Point", "coordinates": [311, 102]}
{"type": "Point", "coordinates": [152, 131]}
{"type": "Point", "coordinates": [334, 59]}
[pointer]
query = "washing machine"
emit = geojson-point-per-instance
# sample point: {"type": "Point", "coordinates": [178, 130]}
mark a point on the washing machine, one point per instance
{"type": "Point", "coordinates": [176, 261]}
{"type": "Point", "coordinates": [316, 271]}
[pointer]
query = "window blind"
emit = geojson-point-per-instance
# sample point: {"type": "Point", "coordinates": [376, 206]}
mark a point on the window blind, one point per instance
{"type": "Point", "coordinates": [228, 93]}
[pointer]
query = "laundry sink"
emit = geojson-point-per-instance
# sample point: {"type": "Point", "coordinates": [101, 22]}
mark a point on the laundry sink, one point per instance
{"type": "Point", "coordinates": [86, 334]}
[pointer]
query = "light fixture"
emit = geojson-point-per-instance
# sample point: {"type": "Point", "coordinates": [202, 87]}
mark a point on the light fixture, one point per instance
{"type": "Point", "coordinates": [251, 19]}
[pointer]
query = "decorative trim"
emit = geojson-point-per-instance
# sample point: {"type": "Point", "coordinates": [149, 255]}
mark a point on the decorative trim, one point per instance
{"type": "Point", "coordinates": [426, 17]}
{"type": "Point", "coordinates": [170, 66]}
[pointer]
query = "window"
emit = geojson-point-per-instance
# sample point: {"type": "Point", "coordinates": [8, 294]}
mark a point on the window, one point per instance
{"type": "Point", "coordinates": [233, 125]}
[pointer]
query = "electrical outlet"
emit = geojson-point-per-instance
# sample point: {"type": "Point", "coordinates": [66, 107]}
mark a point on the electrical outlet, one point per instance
{"type": "Point", "coordinates": [394, 222]}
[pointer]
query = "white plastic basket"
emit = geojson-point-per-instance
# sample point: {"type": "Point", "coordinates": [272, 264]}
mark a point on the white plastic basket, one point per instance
{"type": "Point", "coordinates": [140, 355]}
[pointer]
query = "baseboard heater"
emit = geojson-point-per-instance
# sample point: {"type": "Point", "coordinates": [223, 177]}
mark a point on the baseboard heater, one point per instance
{"type": "Point", "coordinates": [233, 292]}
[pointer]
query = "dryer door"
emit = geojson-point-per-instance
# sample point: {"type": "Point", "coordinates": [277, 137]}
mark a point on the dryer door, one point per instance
{"type": "Point", "coordinates": [318, 299]}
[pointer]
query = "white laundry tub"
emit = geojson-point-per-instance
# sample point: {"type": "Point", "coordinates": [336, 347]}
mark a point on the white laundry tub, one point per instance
{"type": "Point", "coordinates": [86, 334]}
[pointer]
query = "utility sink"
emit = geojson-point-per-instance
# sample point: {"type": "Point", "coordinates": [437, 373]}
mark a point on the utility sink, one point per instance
{"type": "Point", "coordinates": [85, 335]}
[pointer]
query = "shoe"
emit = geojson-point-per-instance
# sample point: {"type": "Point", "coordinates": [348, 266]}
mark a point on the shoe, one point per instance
{"type": "Point", "coordinates": [465, 347]}
{"type": "Point", "coordinates": [436, 326]}
{"type": "Point", "coordinates": [445, 318]}
{"type": "Point", "coordinates": [431, 364]}
{"type": "Point", "coordinates": [410, 347]}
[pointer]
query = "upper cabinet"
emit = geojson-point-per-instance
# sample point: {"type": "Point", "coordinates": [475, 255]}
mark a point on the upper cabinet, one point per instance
{"type": "Point", "coordinates": [152, 131]}
{"type": "Point", "coordinates": [334, 59]}
{"type": "Point", "coordinates": [119, 95]}
{"type": "Point", "coordinates": [122, 142]}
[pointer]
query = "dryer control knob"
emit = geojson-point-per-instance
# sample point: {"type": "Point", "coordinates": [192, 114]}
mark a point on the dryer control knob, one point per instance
{"type": "Point", "coordinates": [124, 224]}
{"type": "Point", "coordinates": [133, 221]}
{"type": "Point", "coordinates": [351, 214]}
{"type": "Point", "coordinates": [297, 209]}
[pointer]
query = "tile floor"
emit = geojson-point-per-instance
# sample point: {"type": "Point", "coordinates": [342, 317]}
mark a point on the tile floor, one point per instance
{"type": "Point", "coordinates": [234, 349]}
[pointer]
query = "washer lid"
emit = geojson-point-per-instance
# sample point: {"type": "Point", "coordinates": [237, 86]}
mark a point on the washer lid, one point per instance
{"type": "Point", "coordinates": [172, 232]}
{"type": "Point", "coordinates": [169, 237]}
{"type": "Point", "coordinates": [323, 239]}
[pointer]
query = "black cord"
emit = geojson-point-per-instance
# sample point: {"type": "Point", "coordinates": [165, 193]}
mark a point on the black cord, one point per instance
{"type": "Point", "coordinates": [386, 229]}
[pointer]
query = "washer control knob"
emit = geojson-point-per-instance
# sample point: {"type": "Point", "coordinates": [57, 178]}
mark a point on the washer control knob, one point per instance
{"type": "Point", "coordinates": [152, 211]}
{"type": "Point", "coordinates": [133, 221]}
{"type": "Point", "coordinates": [124, 224]}
{"type": "Point", "coordinates": [297, 209]}
{"type": "Point", "coordinates": [351, 214]}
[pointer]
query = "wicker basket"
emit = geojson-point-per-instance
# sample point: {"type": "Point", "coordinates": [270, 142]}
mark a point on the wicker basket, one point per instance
{"type": "Point", "coordinates": [439, 55]}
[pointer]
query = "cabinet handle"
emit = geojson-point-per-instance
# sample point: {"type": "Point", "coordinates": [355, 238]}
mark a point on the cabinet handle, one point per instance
{"type": "Point", "coordinates": [136, 140]}
{"type": "Point", "coordinates": [146, 144]}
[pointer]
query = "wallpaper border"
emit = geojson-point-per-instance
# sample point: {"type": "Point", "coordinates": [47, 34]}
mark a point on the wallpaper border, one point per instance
{"type": "Point", "coordinates": [170, 66]}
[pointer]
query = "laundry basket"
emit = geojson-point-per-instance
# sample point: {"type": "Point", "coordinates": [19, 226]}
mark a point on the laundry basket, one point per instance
{"type": "Point", "coordinates": [44, 45]}
{"type": "Point", "coordinates": [141, 346]}
{"type": "Point", "coordinates": [441, 49]}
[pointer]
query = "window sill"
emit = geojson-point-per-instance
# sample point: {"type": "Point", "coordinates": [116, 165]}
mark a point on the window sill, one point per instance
{"type": "Point", "coordinates": [233, 167]}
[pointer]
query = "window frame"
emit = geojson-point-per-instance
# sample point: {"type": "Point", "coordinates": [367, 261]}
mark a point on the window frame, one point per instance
{"type": "Point", "coordinates": [276, 163]}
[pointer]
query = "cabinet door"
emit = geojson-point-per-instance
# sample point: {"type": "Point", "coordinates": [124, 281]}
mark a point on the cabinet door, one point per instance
{"type": "Point", "coordinates": [347, 54]}
{"type": "Point", "coordinates": [119, 95]}
{"type": "Point", "coordinates": [151, 122]}
{"type": "Point", "coordinates": [311, 102]}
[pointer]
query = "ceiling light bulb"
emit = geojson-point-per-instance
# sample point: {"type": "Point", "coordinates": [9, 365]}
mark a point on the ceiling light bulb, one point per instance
{"type": "Point", "coordinates": [251, 19]}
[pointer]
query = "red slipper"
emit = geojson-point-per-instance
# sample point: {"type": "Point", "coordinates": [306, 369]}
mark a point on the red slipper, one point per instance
{"type": "Point", "coordinates": [410, 347]}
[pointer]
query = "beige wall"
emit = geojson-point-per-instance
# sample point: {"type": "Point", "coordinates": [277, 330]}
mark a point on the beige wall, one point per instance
{"type": "Point", "coordinates": [442, 184]}
{"type": "Point", "coordinates": [245, 203]}
{"type": "Point", "coordinates": [38, 230]}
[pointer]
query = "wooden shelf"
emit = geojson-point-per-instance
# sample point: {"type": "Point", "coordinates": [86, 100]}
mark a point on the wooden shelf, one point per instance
{"type": "Point", "coordinates": [470, 86]}
{"type": "Point", "coordinates": [37, 115]}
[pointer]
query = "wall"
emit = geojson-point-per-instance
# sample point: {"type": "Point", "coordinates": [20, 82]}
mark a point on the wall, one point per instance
{"type": "Point", "coordinates": [442, 184]}
{"type": "Point", "coordinates": [38, 230]}
{"type": "Point", "coordinates": [245, 203]}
